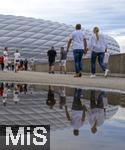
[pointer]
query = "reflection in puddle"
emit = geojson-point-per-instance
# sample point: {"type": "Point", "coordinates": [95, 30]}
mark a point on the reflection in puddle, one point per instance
{"type": "Point", "coordinates": [11, 90]}
{"type": "Point", "coordinates": [95, 112]}
{"type": "Point", "coordinates": [70, 112]}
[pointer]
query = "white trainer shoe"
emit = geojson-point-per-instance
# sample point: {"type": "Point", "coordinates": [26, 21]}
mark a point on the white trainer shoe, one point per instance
{"type": "Point", "coordinates": [106, 72]}
{"type": "Point", "coordinates": [92, 76]}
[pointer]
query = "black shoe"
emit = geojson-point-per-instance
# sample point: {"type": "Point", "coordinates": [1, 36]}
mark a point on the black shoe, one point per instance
{"type": "Point", "coordinates": [76, 75]}
{"type": "Point", "coordinates": [80, 74]}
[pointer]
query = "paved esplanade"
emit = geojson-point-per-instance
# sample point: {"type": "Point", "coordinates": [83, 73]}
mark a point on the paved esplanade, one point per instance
{"type": "Point", "coordinates": [61, 79]}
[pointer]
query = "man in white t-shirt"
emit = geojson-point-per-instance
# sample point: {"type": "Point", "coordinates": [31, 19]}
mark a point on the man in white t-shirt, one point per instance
{"type": "Point", "coordinates": [79, 47]}
{"type": "Point", "coordinates": [17, 60]}
{"type": "Point", "coordinates": [78, 113]}
{"type": "Point", "coordinates": [5, 52]}
{"type": "Point", "coordinates": [5, 55]}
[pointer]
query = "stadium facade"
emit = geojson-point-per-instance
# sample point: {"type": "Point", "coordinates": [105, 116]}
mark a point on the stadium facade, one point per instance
{"type": "Point", "coordinates": [35, 36]}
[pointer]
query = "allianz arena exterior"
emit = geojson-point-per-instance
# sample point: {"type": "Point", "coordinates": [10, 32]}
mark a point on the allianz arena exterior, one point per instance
{"type": "Point", "coordinates": [33, 37]}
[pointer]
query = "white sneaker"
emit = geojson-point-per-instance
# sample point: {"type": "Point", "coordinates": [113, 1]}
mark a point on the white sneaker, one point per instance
{"type": "Point", "coordinates": [106, 72]}
{"type": "Point", "coordinates": [92, 76]}
{"type": "Point", "coordinates": [5, 70]}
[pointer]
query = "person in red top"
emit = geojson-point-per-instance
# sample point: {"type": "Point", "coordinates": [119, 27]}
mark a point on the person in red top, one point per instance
{"type": "Point", "coordinates": [2, 62]}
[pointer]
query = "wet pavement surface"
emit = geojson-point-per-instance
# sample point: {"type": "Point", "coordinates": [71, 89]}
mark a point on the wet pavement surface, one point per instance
{"type": "Point", "coordinates": [78, 118]}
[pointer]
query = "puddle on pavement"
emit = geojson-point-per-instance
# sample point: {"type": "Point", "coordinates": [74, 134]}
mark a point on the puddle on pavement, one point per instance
{"type": "Point", "coordinates": [79, 118]}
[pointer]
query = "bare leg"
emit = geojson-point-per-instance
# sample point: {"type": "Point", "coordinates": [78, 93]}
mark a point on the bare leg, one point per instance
{"type": "Point", "coordinates": [65, 69]}
{"type": "Point", "coordinates": [16, 67]}
{"type": "Point", "coordinates": [52, 69]}
{"type": "Point", "coordinates": [61, 69]}
{"type": "Point", "coordinates": [49, 69]}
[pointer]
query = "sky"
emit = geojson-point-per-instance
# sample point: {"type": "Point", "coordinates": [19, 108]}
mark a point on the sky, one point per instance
{"type": "Point", "coordinates": [109, 15]}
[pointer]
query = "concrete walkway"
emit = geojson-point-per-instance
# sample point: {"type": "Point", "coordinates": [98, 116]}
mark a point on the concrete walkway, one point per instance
{"type": "Point", "coordinates": [57, 79]}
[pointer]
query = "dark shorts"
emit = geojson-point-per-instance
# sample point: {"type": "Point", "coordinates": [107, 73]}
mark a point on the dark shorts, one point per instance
{"type": "Point", "coordinates": [51, 63]}
{"type": "Point", "coordinates": [17, 61]}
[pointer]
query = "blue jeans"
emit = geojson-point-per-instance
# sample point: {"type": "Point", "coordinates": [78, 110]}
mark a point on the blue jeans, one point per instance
{"type": "Point", "coordinates": [100, 60]}
{"type": "Point", "coordinates": [97, 102]}
{"type": "Point", "coordinates": [77, 104]}
{"type": "Point", "coordinates": [78, 53]}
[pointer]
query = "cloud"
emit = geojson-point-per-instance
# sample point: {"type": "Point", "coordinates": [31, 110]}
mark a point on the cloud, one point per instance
{"type": "Point", "coordinates": [121, 41]}
{"type": "Point", "coordinates": [108, 14]}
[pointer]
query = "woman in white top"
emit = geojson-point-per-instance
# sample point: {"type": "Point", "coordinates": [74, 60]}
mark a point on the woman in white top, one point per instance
{"type": "Point", "coordinates": [16, 60]}
{"type": "Point", "coordinates": [98, 47]}
{"type": "Point", "coordinates": [97, 114]}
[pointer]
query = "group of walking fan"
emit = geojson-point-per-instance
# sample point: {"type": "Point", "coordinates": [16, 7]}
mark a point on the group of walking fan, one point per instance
{"type": "Point", "coordinates": [97, 45]}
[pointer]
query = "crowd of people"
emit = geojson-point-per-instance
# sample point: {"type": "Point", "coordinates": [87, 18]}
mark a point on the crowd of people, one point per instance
{"type": "Point", "coordinates": [15, 64]}
{"type": "Point", "coordinates": [97, 45]}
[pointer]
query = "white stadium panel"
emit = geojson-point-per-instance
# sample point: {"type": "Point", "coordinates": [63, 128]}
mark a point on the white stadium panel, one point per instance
{"type": "Point", "coordinates": [56, 32]}
{"type": "Point", "coordinates": [24, 28]}
{"type": "Point", "coordinates": [34, 29]}
{"type": "Point", "coordinates": [28, 41]}
{"type": "Point", "coordinates": [48, 37]}
{"type": "Point", "coordinates": [15, 40]}
{"type": "Point", "coordinates": [40, 42]}
{"type": "Point", "coordinates": [13, 33]}
{"type": "Point", "coordinates": [3, 32]}
{"type": "Point", "coordinates": [45, 31]}
{"type": "Point", "coordinates": [25, 34]}
{"type": "Point", "coordinates": [50, 43]}
{"type": "Point", "coordinates": [11, 27]}
{"type": "Point", "coordinates": [59, 44]}
{"type": "Point", "coordinates": [38, 35]}
{"type": "Point", "coordinates": [4, 39]}
{"type": "Point", "coordinates": [65, 33]}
